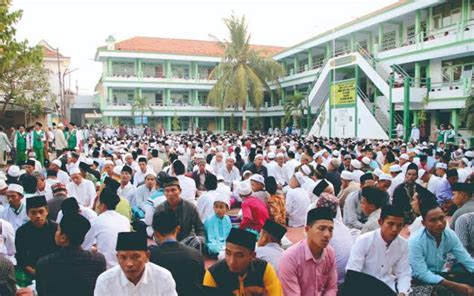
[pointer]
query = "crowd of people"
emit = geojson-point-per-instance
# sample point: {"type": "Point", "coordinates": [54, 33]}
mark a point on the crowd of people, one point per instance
{"type": "Point", "coordinates": [104, 211]}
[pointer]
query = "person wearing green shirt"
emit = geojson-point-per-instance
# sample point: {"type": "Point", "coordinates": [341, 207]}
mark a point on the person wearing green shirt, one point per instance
{"type": "Point", "coordinates": [72, 137]}
{"type": "Point", "coordinates": [441, 134]}
{"type": "Point", "coordinates": [20, 144]}
{"type": "Point", "coordinates": [39, 137]}
{"type": "Point", "coordinates": [450, 134]}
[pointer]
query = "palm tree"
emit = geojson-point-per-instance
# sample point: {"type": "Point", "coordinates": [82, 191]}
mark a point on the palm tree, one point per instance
{"type": "Point", "coordinates": [243, 72]}
{"type": "Point", "coordinates": [294, 109]}
{"type": "Point", "coordinates": [141, 103]}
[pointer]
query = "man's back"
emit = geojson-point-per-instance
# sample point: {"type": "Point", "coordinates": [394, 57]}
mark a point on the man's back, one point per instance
{"type": "Point", "coordinates": [185, 264]}
{"type": "Point", "coordinates": [69, 271]}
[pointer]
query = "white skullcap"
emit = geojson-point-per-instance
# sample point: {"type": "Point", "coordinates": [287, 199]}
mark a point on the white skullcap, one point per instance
{"type": "Point", "coordinates": [300, 178]}
{"type": "Point", "coordinates": [14, 171]}
{"type": "Point", "coordinates": [356, 164]}
{"type": "Point", "coordinates": [244, 189]}
{"type": "Point", "coordinates": [306, 170]}
{"type": "Point", "coordinates": [466, 161]}
{"type": "Point", "coordinates": [258, 178]}
{"type": "Point", "coordinates": [181, 150]}
{"type": "Point", "coordinates": [421, 172]}
{"type": "Point", "coordinates": [441, 165]}
{"type": "Point", "coordinates": [336, 153]}
{"type": "Point", "coordinates": [384, 177]}
{"type": "Point", "coordinates": [152, 173]}
{"type": "Point", "coordinates": [16, 188]}
{"type": "Point", "coordinates": [395, 168]}
{"type": "Point", "coordinates": [220, 178]}
{"type": "Point", "coordinates": [57, 162]}
{"type": "Point", "coordinates": [3, 184]}
{"type": "Point", "coordinates": [74, 170]}
{"type": "Point", "coordinates": [378, 172]}
{"type": "Point", "coordinates": [108, 161]}
{"type": "Point", "coordinates": [469, 154]}
{"type": "Point", "coordinates": [259, 156]}
{"type": "Point", "coordinates": [405, 156]}
{"type": "Point", "coordinates": [346, 175]}
{"type": "Point", "coordinates": [366, 160]}
{"type": "Point", "coordinates": [89, 161]}
{"type": "Point", "coordinates": [271, 155]}
{"type": "Point", "coordinates": [246, 173]}
{"type": "Point", "coordinates": [280, 155]}
{"type": "Point", "coordinates": [222, 198]}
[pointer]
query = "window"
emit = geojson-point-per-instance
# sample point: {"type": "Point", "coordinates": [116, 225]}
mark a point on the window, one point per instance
{"type": "Point", "coordinates": [123, 69]}
{"type": "Point", "coordinates": [455, 16]}
{"type": "Point", "coordinates": [180, 99]}
{"type": "Point", "coordinates": [204, 72]}
{"type": "Point", "coordinates": [159, 99]}
{"type": "Point", "coordinates": [363, 44]}
{"type": "Point", "coordinates": [318, 61]}
{"type": "Point", "coordinates": [389, 40]}
{"type": "Point", "coordinates": [123, 97]}
{"type": "Point", "coordinates": [457, 71]}
{"type": "Point", "coordinates": [153, 97]}
{"type": "Point", "coordinates": [411, 34]}
{"type": "Point", "coordinates": [202, 98]}
{"type": "Point", "coordinates": [180, 71]}
{"type": "Point", "coordinates": [152, 70]}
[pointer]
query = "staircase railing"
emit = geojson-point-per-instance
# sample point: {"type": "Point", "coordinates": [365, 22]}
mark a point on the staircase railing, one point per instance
{"type": "Point", "coordinates": [379, 115]}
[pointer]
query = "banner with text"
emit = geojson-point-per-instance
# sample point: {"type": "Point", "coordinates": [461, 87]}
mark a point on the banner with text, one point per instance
{"type": "Point", "coordinates": [343, 93]}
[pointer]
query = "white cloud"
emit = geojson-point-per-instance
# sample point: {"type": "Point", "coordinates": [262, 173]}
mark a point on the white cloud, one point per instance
{"type": "Point", "coordinates": [79, 27]}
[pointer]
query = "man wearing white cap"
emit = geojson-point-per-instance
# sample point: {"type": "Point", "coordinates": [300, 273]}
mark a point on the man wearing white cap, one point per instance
{"type": "Point", "coordinates": [217, 163]}
{"type": "Point", "coordinates": [257, 183]}
{"type": "Point", "coordinates": [59, 140]}
{"type": "Point", "coordinates": [297, 201]}
{"type": "Point", "coordinates": [440, 169]}
{"type": "Point", "coordinates": [230, 172]}
{"type": "Point", "coordinates": [397, 177]}
{"type": "Point", "coordinates": [348, 185]}
{"type": "Point", "coordinates": [464, 170]}
{"type": "Point", "coordinates": [356, 170]}
{"type": "Point", "coordinates": [275, 169]}
{"type": "Point", "coordinates": [15, 212]}
{"type": "Point", "coordinates": [290, 165]}
{"type": "Point", "coordinates": [404, 162]}
{"type": "Point", "coordinates": [83, 190]}
{"type": "Point", "coordinates": [62, 176]}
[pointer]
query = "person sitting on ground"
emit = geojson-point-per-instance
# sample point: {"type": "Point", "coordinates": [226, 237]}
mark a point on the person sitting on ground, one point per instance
{"type": "Point", "coordinates": [186, 264]}
{"type": "Point", "coordinates": [205, 202]}
{"type": "Point", "coordinates": [416, 203]}
{"type": "Point", "coordinates": [70, 270]}
{"type": "Point", "coordinates": [35, 239]}
{"type": "Point", "coordinates": [297, 201]}
{"type": "Point", "coordinates": [275, 202]}
{"type": "Point", "coordinates": [257, 182]}
{"type": "Point", "coordinates": [70, 206]}
{"type": "Point", "coordinates": [370, 204]}
{"type": "Point", "coordinates": [191, 227]}
{"type": "Point", "coordinates": [135, 275]}
{"type": "Point", "coordinates": [353, 216]}
{"type": "Point", "coordinates": [428, 250]}
{"type": "Point", "coordinates": [382, 253]}
{"type": "Point", "coordinates": [254, 211]}
{"type": "Point", "coordinates": [217, 227]}
{"type": "Point", "coordinates": [240, 273]}
{"type": "Point", "coordinates": [269, 243]}
{"type": "Point", "coordinates": [309, 266]}
{"type": "Point", "coordinates": [463, 198]}
{"type": "Point", "coordinates": [465, 231]}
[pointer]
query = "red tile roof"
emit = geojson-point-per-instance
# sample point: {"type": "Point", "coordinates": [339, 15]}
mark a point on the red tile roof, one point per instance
{"type": "Point", "coordinates": [49, 51]}
{"type": "Point", "coordinates": [183, 46]}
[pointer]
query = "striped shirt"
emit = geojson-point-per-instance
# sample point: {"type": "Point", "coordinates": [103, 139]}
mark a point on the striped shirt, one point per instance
{"type": "Point", "coordinates": [465, 231]}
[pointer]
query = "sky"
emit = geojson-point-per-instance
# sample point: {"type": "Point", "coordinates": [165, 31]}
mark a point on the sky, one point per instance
{"type": "Point", "coordinates": [78, 27]}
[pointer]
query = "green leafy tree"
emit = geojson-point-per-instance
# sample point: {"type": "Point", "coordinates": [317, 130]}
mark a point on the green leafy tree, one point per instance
{"type": "Point", "coordinates": [294, 109]}
{"type": "Point", "coordinates": [140, 104]}
{"type": "Point", "coordinates": [23, 78]}
{"type": "Point", "coordinates": [244, 73]}
{"type": "Point", "coordinates": [467, 113]}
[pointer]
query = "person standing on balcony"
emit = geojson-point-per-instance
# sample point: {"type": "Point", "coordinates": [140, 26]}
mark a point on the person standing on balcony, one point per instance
{"type": "Point", "coordinates": [399, 130]}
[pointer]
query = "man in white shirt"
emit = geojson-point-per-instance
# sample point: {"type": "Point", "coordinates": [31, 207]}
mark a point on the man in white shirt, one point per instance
{"type": "Point", "coordinates": [155, 162]}
{"type": "Point", "coordinates": [126, 189]}
{"type": "Point", "coordinates": [269, 243]}
{"type": "Point", "coordinates": [230, 172]}
{"type": "Point", "coordinates": [62, 176]}
{"type": "Point", "coordinates": [217, 163]}
{"type": "Point", "coordinates": [15, 212]}
{"type": "Point", "coordinates": [188, 186]}
{"type": "Point", "coordinates": [370, 204]}
{"type": "Point", "coordinates": [290, 166]}
{"type": "Point", "coordinates": [106, 227]}
{"type": "Point", "coordinates": [297, 201]}
{"type": "Point", "coordinates": [135, 275]}
{"type": "Point", "coordinates": [59, 140]}
{"type": "Point", "coordinates": [205, 203]}
{"type": "Point", "coordinates": [275, 169]}
{"type": "Point", "coordinates": [383, 253]}
{"type": "Point", "coordinates": [139, 177]}
{"type": "Point", "coordinates": [83, 190]}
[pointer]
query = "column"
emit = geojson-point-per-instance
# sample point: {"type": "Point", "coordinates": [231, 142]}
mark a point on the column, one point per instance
{"type": "Point", "coordinates": [353, 42]}
{"type": "Point", "coordinates": [400, 34]}
{"type": "Point", "coordinates": [271, 122]}
{"type": "Point", "coordinates": [110, 96]}
{"type": "Point", "coordinates": [192, 72]}
{"type": "Point", "coordinates": [380, 36]}
{"type": "Point", "coordinates": [428, 20]}
{"type": "Point", "coordinates": [370, 43]}
{"type": "Point", "coordinates": [415, 118]}
{"type": "Point", "coordinates": [222, 123]}
{"type": "Point", "coordinates": [196, 122]}
{"type": "Point", "coordinates": [417, 26]}
{"type": "Point", "coordinates": [139, 68]}
{"type": "Point", "coordinates": [109, 67]}
{"type": "Point", "coordinates": [310, 59]}
{"type": "Point", "coordinates": [167, 69]}
{"type": "Point", "coordinates": [330, 101]}
{"type": "Point", "coordinates": [455, 119]}
{"type": "Point", "coordinates": [196, 70]}
{"type": "Point", "coordinates": [328, 50]}
{"type": "Point", "coordinates": [167, 97]}
{"type": "Point", "coordinates": [356, 70]}
{"type": "Point", "coordinates": [168, 124]}
{"type": "Point", "coordinates": [295, 64]}
{"type": "Point", "coordinates": [406, 108]}
{"type": "Point", "coordinates": [417, 74]}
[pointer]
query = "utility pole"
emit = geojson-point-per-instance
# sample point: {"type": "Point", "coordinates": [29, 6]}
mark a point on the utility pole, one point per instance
{"type": "Point", "coordinates": [61, 94]}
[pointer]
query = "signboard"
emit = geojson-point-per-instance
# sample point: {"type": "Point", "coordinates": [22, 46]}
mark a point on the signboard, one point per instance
{"type": "Point", "coordinates": [343, 93]}
{"type": "Point", "coordinates": [138, 120]}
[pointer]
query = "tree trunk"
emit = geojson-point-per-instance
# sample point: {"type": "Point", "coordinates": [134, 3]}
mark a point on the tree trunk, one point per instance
{"type": "Point", "coordinates": [244, 120]}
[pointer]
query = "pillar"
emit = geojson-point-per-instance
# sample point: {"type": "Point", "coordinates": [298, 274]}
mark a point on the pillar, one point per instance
{"type": "Point", "coordinates": [110, 96]}
{"type": "Point", "coordinates": [167, 97]}
{"type": "Point", "coordinates": [167, 69]}
{"type": "Point", "coordinates": [415, 118]}
{"type": "Point", "coordinates": [417, 74]}
{"type": "Point", "coordinates": [272, 103]}
{"type": "Point", "coordinates": [400, 34]}
{"type": "Point", "coordinates": [428, 20]}
{"type": "Point", "coordinates": [310, 59]}
{"type": "Point", "coordinates": [192, 71]}
{"type": "Point", "coordinates": [295, 64]}
{"type": "Point", "coordinates": [417, 25]}
{"type": "Point", "coordinates": [353, 42]}
{"type": "Point", "coordinates": [196, 122]}
{"type": "Point", "coordinates": [330, 100]}
{"type": "Point", "coordinates": [355, 107]}
{"type": "Point", "coordinates": [406, 107]}
{"type": "Point", "coordinates": [328, 49]}
{"type": "Point", "coordinates": [380, 36]}
{"type": "Point", "coordinates": [271, 122]}
{"type": "Point", "coordinates": [455, 119]}
{"type": "Point", "coordinates": [109, 67]}
{"type": "Point", "coordinates": [391, 109]}
{"type": "Point", "coordinates": [168, 124]}
{"type": "Point", "coordinates": [139, 68]}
